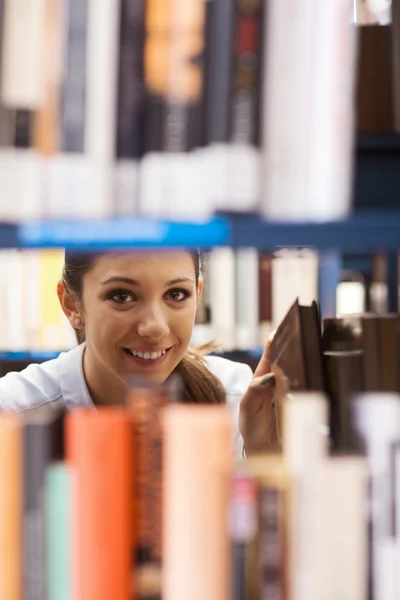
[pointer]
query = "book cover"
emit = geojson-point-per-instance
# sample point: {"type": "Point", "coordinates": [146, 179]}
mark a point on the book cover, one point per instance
{"type": "Point", "coordinates": [198, 463]}
{"type": "Point", "coordinates": [42, 444]}
{"type": "Point", "coordinates": [99, 451]}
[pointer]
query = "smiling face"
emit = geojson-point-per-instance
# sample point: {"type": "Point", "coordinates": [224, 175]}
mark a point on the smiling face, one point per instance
{"type": "Point", "coordinates": [138, 311]}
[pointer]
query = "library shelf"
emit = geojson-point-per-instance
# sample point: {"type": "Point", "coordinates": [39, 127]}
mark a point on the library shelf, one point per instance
{"type": "Point", "coordinates": [362, 232]}
{"type": "Point", "coordinates": [28, 355]}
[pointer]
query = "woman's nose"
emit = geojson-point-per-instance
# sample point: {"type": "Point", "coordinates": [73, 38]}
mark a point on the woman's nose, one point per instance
{"type": "Point", "coordinates": [153, 324]}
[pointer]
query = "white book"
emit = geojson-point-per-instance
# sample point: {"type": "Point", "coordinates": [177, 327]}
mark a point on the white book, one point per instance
{"type": "Point", "coordinates": [22, 74]}
{"type": "Point", "coordinates": [222, 293]}
{"type": "Point", "coordinates": [341, 529]}
{"type": "Point", "coordinates": [247, 299]}
{"type": "Point", "coordinates": [101, 97]}
{"type": "Point", "coordinates": [377, 419]}
{"type": "Point", "coordinates": [333, 111]}
{"type": "Point", "coordinates": [305, 447]}
{"type": "Point", "coordinates": [308, 115]}
{"type": "Point", "coordinates": [294, 275]}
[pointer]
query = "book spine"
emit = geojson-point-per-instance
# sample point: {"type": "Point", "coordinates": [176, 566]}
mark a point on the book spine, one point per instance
{"type": "Point", "coordinates": [99, 450]}
{"type": "Point", "coordinates": [101, 89]}
{"type": "Point", "coordinates": [222, 278]}
{"type": "Point", "coordinates": [243, 524]}
{"type": "Point", "coordinates": [130, 118]}
{"type": "Point", "coordinates": [349, 559]}
{"type": "Point", "coordinates": [328, 280]}
{"type": "Point", "coordinates": [10, 507]}
{"type": "Point", "coordinates": [36, 457]}
{"type": "Point", "coordinates": [246, 72]}
{"type": "Point", "coordinates": [46, 132]}
{"type": "Point", "coordinates": [130, 113]}
{"type": "Point", "coordinates": [73, 102]}
{"type": "Point", "coordinates": [246, 299]}
{"type": "Point", "coordinates": [273, 510]}
{"type": "Point", "coordinates": [23, 54]}
{"type": "Point", "coordinates": [344, 376]}
{"type": "Point", "coordinates": [57, 529]}
{"type": "Point", "coordinates": [377, 421]}
{"type": "Point", "coordinates": [144, 406]}
{"type": "Point", "coordinates": [218, 89]}
{"type": "Point", "coordinates": [196, 546]}
{"type": "Point", "coordinates": [333, 115]}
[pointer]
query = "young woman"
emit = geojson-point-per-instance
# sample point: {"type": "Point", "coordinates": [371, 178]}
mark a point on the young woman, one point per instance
{"type": "Point", "coordinates": [133, 313]}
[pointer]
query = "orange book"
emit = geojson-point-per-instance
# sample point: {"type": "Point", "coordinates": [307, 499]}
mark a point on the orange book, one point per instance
{"type": "Point", "coordinates": [10, 507]}
{"type": "Point", "coordinates": [99, 450]}
{"type": "Point", "coordinates": [46, 123]}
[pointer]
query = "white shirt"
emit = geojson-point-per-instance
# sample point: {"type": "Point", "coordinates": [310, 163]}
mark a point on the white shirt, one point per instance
{"type": "Point", "coordinates": [61, 382]}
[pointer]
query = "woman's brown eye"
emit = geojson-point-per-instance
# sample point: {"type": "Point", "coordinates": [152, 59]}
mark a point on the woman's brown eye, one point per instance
{"type": "Point", "coordinates": [122, 298]}
{"type": "Point", "coordinates": [178, 295]}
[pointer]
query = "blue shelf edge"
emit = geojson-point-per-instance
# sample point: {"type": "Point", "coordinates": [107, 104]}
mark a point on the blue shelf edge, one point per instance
{"type": "Point", "coordinates": [29, 355]}
{"type": "Point", "coordinates": [363, 231]}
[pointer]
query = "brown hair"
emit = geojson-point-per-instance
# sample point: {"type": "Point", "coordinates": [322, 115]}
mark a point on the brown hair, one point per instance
{"type": "Point", "coordinates": [199, 385]}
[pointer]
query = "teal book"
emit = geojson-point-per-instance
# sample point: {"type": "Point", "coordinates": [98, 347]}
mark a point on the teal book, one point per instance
{"type": "Point", "coordinates": [57, 527]}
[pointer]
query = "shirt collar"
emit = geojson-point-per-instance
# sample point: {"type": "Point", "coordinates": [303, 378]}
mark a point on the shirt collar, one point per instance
{"type": "Point", "coordinates": [73, 385]}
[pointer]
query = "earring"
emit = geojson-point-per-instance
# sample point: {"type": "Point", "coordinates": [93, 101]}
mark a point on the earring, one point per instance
{"type": "Point", "coordinates": [77, 321]}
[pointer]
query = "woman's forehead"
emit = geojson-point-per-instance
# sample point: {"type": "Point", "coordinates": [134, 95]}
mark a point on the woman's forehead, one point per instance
{"type": "Point", "coordinates": [178, 263]}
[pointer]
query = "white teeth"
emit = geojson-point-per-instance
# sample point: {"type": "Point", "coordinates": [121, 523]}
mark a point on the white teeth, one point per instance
{"type": "Point", "coordinates": [148, 355]}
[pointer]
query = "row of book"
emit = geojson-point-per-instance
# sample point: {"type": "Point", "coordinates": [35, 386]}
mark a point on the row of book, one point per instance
{"type": "Point", "coordinates": [147, 501]}
{"type": "Point", "coordinates": [246, 295]}
{"type": "Point", "coordinates": [133, 106]}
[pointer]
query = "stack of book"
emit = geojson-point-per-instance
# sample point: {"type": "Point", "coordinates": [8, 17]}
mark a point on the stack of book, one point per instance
{"type": "Point", "coordinates": [147, 501]}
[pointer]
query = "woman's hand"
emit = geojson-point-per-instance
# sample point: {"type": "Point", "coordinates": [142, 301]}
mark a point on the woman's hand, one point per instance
{"type": "Point", "coordinates": [257, 421]}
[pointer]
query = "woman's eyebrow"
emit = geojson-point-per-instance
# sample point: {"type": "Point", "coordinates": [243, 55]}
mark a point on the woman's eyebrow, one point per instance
{"type": "Point", "coordinates": [129, 281]}
{"type": "Point", "coordinates": [180, 280]}
{"type": "Point", "coordinates": [121, 279]}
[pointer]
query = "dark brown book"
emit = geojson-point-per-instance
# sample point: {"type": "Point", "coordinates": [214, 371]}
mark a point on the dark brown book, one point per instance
{"type": "Point", "coordinates": [377, 337]}
{"type": "Point", "coordinates": [297, 350]}
{"type": "Point", "coordinates": [375, 106]}
{"type": "Point", "coordinates": [344, 376]}
{"type": "Point", "coordinates": [388, 352]}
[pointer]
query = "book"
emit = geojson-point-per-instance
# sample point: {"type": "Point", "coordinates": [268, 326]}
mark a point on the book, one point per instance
{"type": "Point", "coordinates": [341, 529]}
{"type": "Point", "coordinates": [145, 403]}
{"type": "Point", "coordinates": [297, 350]}
{"type": "Point", "coordinates": [58, 518]}
{"type": "Point", "coordinates": [273, 542]}
{"type": "Point", "coordinates": [223, 297]}
{"type": "Point", "coordinates": [247, 298]}
{"type": "Point", "coordinates": [130, 118]}
{"type": "Point", "coordinates": [242, 525]}
{"type": "Point", "coordinates": [304, 158]}
{"type": "Point", "coordinates": [23, 54]}
{"type": "Point", "coordinates": [244, 107]}
{"type": "Point", "coordinates": [43, 443]}
{"type": "Point", "coordinates": [99, 451]}
{"type": "Point", "coordinates": [198, 464]}
{"type": "Point", "coordinates": [11, 507]}
{"type": "Point", "coordinates": [377, 421]}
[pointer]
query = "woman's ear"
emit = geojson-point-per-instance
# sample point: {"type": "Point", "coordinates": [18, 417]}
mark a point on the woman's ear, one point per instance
{"type": "Point", "coordinates": [200, 287]}
{"type": "Point", "coordinates": [70, 306]}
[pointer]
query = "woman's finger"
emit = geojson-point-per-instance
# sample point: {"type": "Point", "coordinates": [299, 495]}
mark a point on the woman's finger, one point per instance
{"type": "Point", "coordinates": [264, 366]}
